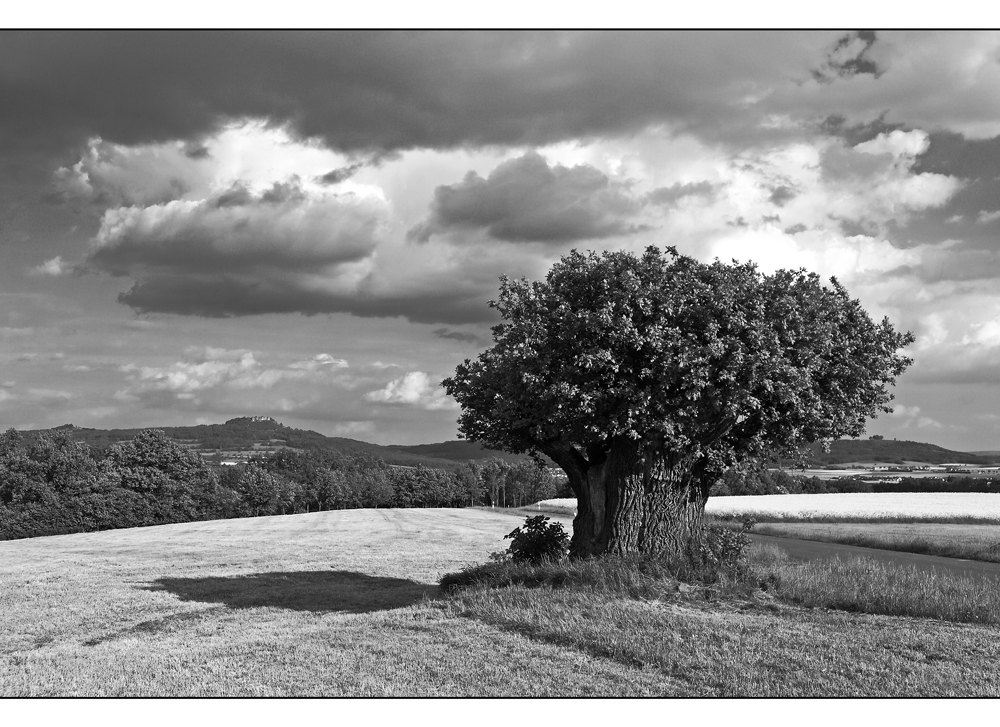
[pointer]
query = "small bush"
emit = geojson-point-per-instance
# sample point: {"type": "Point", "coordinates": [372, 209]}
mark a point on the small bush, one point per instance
{"type": "Point", "coordinates": [725, 550]}
{"type": "Point", "coordinates": [539, 539]}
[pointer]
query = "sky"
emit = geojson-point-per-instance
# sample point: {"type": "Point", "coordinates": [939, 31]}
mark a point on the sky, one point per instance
{"type": "Point", "coordinates": [196, 226]}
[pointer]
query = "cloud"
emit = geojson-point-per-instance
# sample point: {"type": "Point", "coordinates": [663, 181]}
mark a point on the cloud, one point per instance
{"type": "Point", "coordinates": [875, 181]}
{"type": "Point", "coordinates": [527, 200]}
{"type": "Point", "coordinates": [341, 174]}
{"type": "Point", "coordinates": [383, 90]}
{"type": "Point", "coordinates": [232, 382]}
{"type": "Point", "coordinates": [458, 336]}
{"type": "Point", "coordinates": [985, 217]}
{"type": "Point", "coordinates": [238, 251]}
{"type": "Point", "coordinates": [671, 195]}
{"type": "Point", "coordinates": [319, 362]}
{"type": "Point", "coordinates": [56, 267]}
{"type": "Point", "coordinates": [49, 394]}
{"type": "Point", "coordinates": [238, 369]}
{"type": "Point", "coordinates": [256, 229]}
{"type": "Point", "coordinates": [237, 231]}
{"type": "Point", "coordinates": [935, 81]}
{"type": "Point", "coordinates": [910, 416]}
{"type": "Point", "coordinates": [412, 389]}
{"type": "Point", "coordinates": [114, 175]}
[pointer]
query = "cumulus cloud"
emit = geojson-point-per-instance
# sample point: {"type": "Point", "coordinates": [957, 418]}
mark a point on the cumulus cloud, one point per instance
{"type": "Point", "coordinates": [210, 368]}
{"type": "Point", "coordinates": [240, 251]}
{"type": "Point", "coordinates": [116, 175]}
{"type": "Point", "coordinates": [284, 228]}
{"type": "Point", "coordinates": [230, 382]}
{"type": "Point", "coordinates": [413, 389]}
{"type": "Point", "coordinates": [527, 200]}
{"type": "Point", "coordinates": [875, 181]}
{"type": "Point", "coordinates": [56, 267]}
{"type": "Point", "coordinates": [910, 416]}
{"type": "Point", "coordinates": [261, 225]}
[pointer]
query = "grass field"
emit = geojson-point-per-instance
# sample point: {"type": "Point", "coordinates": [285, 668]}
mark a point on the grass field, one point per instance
{"type": "Point", "coordinates": [345, 603]}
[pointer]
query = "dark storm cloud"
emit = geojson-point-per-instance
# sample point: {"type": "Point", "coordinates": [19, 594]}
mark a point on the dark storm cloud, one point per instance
{"type": "Point", "coordinates": [526, 200]}
{"type": "Point", "coordinates": [384, 91]}
{"type": "Point", "coordinates": [849, 57]}
{"type": "Point", "coordinates": [226, 296]}
{"type": "Point", "coordinates": [780, 195]}
{"type": "Point", "coordinates": [336, 176]}
{"type": "Point", "coordinates": [458, 336]}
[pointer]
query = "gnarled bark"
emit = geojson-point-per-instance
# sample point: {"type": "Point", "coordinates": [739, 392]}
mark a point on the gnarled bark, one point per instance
{"type": "Point", "coordinates": [635, 498]}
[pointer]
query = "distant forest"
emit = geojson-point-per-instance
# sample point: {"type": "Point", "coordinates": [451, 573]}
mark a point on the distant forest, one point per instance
{"type": "Point", "coordinates": [52, 483]}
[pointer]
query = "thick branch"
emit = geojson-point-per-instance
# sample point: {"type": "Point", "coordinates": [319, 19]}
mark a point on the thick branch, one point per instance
{"type": "Point", "coordinates": [566, 456]}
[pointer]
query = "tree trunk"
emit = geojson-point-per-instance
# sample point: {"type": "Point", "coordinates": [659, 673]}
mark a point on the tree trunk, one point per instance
{"type": "Point", "coordinates": [637, 499]}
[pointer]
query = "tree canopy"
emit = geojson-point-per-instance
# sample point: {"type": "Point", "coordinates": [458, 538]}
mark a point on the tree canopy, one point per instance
{"type": "Point", "coordinates": [661, 353]}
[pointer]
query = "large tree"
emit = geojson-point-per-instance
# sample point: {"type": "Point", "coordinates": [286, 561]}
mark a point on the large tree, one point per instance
{"type": "Point", "coordinates": [645, 378]}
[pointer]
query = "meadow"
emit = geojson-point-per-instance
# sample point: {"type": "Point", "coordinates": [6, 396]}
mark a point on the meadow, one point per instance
{"type": "Point", "coordinates": [346, 603]}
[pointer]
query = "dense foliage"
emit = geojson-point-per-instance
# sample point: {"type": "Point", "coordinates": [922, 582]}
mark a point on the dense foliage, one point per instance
{"type": "Point", "coordinates": [52, 484]}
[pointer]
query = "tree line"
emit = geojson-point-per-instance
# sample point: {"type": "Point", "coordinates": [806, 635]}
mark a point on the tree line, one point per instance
{"type": "Point", "coordinates": [778, 482]}
{"type": "Point", "coordinates": [51, 484]}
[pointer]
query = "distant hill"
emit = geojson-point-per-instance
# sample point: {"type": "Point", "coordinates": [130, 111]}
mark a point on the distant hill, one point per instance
{"type": "Point", "coordinates": [263, 434]}
{"type": "Point", "coordinates": [259, 434]}
{"type": "Point", "coordinates": [459, 450]}
{"type": "Point", "coordinates": [893, 451]}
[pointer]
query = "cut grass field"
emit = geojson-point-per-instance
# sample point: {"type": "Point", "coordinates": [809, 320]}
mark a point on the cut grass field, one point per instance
{"type": "Point", "coordinates": [346, 603]}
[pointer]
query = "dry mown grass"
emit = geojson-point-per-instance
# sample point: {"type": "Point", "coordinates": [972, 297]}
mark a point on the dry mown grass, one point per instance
{"type": "Point", "coordinates": [345, 603]}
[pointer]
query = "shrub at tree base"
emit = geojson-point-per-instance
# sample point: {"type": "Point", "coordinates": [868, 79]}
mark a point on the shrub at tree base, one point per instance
{"type": "Point", "coordinates": [537, 540]}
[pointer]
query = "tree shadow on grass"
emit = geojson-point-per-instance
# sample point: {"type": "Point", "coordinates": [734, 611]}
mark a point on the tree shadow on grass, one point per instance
{"type": "Point", "coordinates": [317, 591]}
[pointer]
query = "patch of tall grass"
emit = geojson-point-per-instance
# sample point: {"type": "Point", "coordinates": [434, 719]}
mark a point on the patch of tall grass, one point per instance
{"type": "Point", "coordinates": [869, 586]}
{"type": "Point", "coordinates": [642, 577]}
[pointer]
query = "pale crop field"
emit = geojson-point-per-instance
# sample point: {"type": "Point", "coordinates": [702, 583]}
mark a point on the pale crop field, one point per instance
{"type": "Point", "coordinates": [942, 506]}
{"type": "Point", "coordinates": [939, 506]}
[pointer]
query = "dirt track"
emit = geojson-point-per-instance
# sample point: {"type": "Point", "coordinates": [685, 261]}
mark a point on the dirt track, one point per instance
{"type": "Point", "coordinates": [817, 550]}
